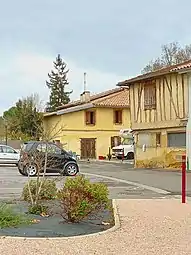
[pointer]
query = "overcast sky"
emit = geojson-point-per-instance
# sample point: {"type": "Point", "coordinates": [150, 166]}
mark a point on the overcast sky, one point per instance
{"type": "Point", "coordinates": [110, 40]}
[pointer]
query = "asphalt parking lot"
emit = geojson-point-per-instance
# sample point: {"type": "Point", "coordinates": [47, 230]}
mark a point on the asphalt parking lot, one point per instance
{"type": "Point", "coordinates": [11, 184]}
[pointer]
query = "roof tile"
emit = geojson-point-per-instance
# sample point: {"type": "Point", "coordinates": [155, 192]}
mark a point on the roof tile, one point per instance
{"type": "Point", "coordinates": [162, 71]}
{"type": "Point", "coordinates": [120, 99]}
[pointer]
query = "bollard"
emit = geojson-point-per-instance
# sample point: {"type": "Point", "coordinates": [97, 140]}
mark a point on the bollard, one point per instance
{"type": "Point", "coordinates": [183, 179]}
{"type": "Point", "coordinates": [109, 154]}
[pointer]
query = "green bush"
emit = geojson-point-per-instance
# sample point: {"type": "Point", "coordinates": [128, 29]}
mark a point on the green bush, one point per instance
{"type": "Point", "coordinates": [8, 218]}
{"type": "Point", "coordinates": [38, 209]}
{"type": "Point", "coordinates": [80, 198]}
{"type": "Point", "coordinates": [48, 190]}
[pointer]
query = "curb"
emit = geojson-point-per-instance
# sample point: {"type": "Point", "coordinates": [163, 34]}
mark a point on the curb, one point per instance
{"type": "Point", "coordinates": [106, 162]}
{"type": "Point", "coordinates": [112, 229]}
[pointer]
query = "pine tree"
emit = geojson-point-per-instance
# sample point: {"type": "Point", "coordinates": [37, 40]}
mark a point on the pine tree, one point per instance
{"type": "Point", "coordinates": [57, 82]}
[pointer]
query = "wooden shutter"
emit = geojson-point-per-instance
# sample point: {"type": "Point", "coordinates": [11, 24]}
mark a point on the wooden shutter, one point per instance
{"type": "Point", "coordinates": [114, 116]}
{"type": "Point", "coordinates": [94, 117]}
{"type": "Point", "coordinates": [120, 116]}
{"type": "Point", "coordinates": [118, 140]}
{"type": "Point", "coordinates": [112, 141]}
{"type": "Point", "coordinates": [150, 95]}
{"type": "Point", "coordinates": [87, 117]}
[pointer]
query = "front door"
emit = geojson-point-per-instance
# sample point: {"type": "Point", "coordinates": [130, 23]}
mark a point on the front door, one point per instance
{"type": "Point", "coordinates": [88, 148]}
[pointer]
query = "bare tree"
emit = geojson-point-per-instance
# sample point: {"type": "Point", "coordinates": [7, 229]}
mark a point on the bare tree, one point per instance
{"type": "Point", "coordinates": [171, 54]}
{"type": "Point", "coordinates": [42, 160]}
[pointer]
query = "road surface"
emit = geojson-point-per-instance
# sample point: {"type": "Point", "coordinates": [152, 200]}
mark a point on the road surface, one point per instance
{"type": "Point", "coordinates": [123, 181]}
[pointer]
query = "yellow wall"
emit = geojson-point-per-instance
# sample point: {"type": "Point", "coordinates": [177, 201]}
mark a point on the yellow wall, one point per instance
{"type": "Point", "coordinates": [171, 103]}
{"type": "Point", "coordinates": [159, 157]}
{"type": "Point", "coordinates": [74, 128]}
{"type": "Point", "coordinates": [170, 113]}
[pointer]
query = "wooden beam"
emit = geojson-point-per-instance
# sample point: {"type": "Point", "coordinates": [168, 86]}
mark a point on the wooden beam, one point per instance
{"type": "Point", "coordinates": [177, 96]}
{"type": "Point", "coordinates": [163, 99]}
{"type": "Point", "coordinates": [183, 99]}
{"type": "Point", "coordinates": [160, 104]}
{"type": "Point", "coordinates": [171, 97]}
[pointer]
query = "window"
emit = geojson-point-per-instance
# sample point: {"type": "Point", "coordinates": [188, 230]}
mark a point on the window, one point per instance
{"type": "Point", "coordinates": [90, 118]}
{"type": "Point", "coordinates": [150, 95]}
{"type": "Point", "coordinates": [115, 141]}
{"type": "Point", "coordinates": [176, 139]}
{"type": "Point", "coordinates": [6, 149]}
{"type": "Point", "coordinates": [158, 139]}
{"type": "Point", "coordinates": [42, 147]}
{"type": "Point", "coordinates": [49, 148]}
{"type": "Point", "coordinates": [117, 117]}
{"type": "Point", "coordinates": [144, 139]}
{"type": "Point", "coordinates": [55, 149]}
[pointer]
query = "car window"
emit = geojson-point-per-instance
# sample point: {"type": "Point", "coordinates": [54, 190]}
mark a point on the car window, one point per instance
{"type": "Point", "coordinates": [27, 146]}
{"type": "Point", "coordinates": [7, 149]}
{"type": "Point", "coordinates": [50, 148]}
{"type": "Point", "coordinates": [42, 147]}
{"type": "Point", "coordinates": [55, 149]}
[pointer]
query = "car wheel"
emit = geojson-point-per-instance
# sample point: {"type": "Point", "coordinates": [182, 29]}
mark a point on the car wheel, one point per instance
{"type": "Point", "coordinates": [22, 172]}
{"type": "Point", "coordinates": [130, 155]}
{"type": "Point", "coordinates": [71, 169]}
{"type": "Point", "coordinates": [31, 170]}
{"type": "Point", "coordinates": [118, 157]}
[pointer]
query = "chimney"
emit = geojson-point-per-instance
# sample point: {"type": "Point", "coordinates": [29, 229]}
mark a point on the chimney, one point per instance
{"type": "Point", "coordinates": [85, 96]}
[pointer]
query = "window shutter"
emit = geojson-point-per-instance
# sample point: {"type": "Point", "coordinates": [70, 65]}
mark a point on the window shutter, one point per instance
{"type": "Point", "coordinates": [120, 116]}
{"type": "Point", "coordinates": [112, 141]}
{"type": "Point", "coordinates": [94, 118]}
{"type": "Point", "coordinates": [114, 116]}
{"type": "Point", "coordinates": [118, 140]}
{"type": "Point", "coordinates": [87, 118]}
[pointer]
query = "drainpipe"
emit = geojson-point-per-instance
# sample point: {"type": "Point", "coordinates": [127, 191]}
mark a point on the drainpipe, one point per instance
{"type": "Point", "coordinates": [188, 126]}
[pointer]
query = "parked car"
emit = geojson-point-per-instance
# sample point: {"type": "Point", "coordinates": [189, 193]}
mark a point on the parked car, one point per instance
{"type": "Point", "coordinates": [57, 160]}
{"type": "Point", "coordinates": [8, 155]}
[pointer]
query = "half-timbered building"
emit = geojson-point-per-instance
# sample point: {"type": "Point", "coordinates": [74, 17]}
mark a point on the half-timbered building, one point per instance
{"type": "Point", "coordinates": [159, 114]}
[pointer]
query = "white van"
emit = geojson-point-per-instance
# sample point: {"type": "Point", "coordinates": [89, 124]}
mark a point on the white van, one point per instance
{"type": "Point", "coordinates": [126, 147]}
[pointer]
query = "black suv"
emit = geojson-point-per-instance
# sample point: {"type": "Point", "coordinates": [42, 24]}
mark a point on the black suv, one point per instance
{"type": "Point", "coordinates": [32, 159]}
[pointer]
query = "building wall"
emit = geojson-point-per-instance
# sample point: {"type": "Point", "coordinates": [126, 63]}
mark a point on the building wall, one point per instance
{"type": "Point", "coordinates": [171, 103]}
{"type": "Point", "coordinates": [75, 128]}
{"type": "Point", "coordinates": [159, 156]}
{"type": "Point", "coordinates": [170, 114]}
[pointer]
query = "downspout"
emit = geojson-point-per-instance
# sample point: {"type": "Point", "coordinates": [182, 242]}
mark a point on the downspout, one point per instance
{"type": "Point", "coordinates": [188, 126]}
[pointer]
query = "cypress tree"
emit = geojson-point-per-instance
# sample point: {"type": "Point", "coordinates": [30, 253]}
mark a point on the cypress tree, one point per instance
{"type": "Point", "coordinates": [57, 82]}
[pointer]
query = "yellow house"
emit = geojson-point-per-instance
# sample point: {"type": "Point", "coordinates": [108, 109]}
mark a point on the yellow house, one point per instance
{"type": "Point", "coordinates": [159, 112]}
{"type": "Point", "coordinates": [92, 124]}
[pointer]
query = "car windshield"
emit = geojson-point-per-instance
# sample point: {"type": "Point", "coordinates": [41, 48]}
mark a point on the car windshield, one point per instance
{"type": "Point", "coordinates": [27, 146]}
{"type": "Point", "coordinates": [128, 141]}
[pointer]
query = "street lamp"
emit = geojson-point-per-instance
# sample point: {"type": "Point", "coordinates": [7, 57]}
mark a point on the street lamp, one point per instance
{"type": "Point", "coordinates": [5, 123]}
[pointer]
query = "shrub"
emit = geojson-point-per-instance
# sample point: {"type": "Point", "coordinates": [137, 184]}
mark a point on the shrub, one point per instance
{"type": "Point", "coordinates": [80, 198]}
{"type": "Point", "coordinates": [48, 190]}
{"type": "Point", "coordinates": [38, 209]}
{"type": "Point", "coordinates": [8, 218]}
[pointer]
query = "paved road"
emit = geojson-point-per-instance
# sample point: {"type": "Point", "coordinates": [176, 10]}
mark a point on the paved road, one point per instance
{"type": "Point", "coordinates": [11, 183]}
{"type": "Point", "coordinates": [161, 179]}
{"type": "Point", "coordinates": [123, 181]}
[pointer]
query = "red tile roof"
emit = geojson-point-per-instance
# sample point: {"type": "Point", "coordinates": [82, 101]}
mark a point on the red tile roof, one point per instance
{"type": "Point", "coordinates": [119, 99]}
{"type": "Point", "coordinates": [92, 98]}
{"type": "Point", "coordinates": [162, 71]}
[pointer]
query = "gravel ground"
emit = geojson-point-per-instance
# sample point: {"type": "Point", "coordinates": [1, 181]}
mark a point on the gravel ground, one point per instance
{"type": "Point", "coordinates": [147, 227]}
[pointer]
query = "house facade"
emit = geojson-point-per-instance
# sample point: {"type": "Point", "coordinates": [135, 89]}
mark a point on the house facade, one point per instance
{"type": "Point", "coordinates": [91, 125]}
{"type": "Point", "coordinates": [159, 112]}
